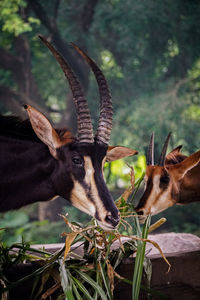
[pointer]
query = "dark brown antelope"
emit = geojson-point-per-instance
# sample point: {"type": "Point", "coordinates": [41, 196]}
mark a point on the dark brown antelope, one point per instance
{"type": "Point", "coordinates": [38, 163]}
{"type": "Point", "coordinates": [174, 180]}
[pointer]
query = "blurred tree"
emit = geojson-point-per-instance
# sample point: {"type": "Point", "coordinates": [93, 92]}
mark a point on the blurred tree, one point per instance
{"type": "Point", "coordinates": [156, 45]}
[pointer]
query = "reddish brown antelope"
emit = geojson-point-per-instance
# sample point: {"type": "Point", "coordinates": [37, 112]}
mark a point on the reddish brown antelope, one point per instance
{"type": "Point", "coordinates": [38, 162]}
{"type": "Point", "coordinates": [175, 180]}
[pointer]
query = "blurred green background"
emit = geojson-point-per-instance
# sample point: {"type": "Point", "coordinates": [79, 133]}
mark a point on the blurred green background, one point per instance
{"type": "Point", "coordinates": [149, 52]}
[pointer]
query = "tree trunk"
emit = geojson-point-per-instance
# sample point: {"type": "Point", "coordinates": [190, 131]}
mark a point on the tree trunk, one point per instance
{"type": "Point", "coordinates": [27, 90]}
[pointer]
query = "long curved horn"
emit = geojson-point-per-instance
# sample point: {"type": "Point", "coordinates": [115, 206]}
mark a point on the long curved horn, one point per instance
{"type": "Point", "coordinates": [84, 123]}
{"type": "Point", "coordinates": [106, 110]}
{"type": "Point", "coordinates": [164, 150]}
{"type": "Point", "coordinates": [150, 153]}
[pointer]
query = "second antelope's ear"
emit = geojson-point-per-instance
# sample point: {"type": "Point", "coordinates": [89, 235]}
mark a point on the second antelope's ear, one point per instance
{"type": "Point", "coordinates": [175, 151]}
{"type": "Point", "coordinates": [45, 131]}
{"type": "Point", "coordinates": [118, 152]}
{"type": "Point", "coordinates": [186, 165]}
{"type": "Point", "coordinates": [174, 156]}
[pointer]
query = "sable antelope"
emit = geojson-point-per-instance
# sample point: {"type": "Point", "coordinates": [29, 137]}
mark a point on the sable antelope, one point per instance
{"type": "Point", "coordinates": [38, 162]}
{"type": "Point", "coordinates": [174, 180]}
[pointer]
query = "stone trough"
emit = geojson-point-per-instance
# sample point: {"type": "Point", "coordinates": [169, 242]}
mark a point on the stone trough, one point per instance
{"type": "Point", "coordinates": [183, 281]}
{"type": "Point", "coordinates": [181, 249]}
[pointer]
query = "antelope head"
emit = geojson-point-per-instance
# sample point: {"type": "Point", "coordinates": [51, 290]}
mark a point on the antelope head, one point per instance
{"type": "Point", "coordinates": [165, 183]}
{"type": "Point", "coordinates": [80, 161]}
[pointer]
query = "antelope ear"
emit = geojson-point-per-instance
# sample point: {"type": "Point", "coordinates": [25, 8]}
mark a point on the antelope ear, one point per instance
{"type": "Point", "coordinates": [44, 130]}
{"type": "Point", "coordinates": [176, 150]}
{"type": "Point", "coordinates": [174, 156]}
{"type": "Point", "coordinates": [118, 152]}
{"type": "Point", "coordinates": [186, 165]}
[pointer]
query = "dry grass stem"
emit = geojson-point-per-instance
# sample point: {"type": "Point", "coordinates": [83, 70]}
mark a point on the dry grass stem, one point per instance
{"type": "Point", "coordinates": [154, 244]}
{"type": "Point", "coordinates": [111, 275]}
{"type": "Point", "coordinates": [51, 290]}
{"type": "Point", "coordinates": [129, 190]}
{"type": "Point", "coordinates": [157, 224]}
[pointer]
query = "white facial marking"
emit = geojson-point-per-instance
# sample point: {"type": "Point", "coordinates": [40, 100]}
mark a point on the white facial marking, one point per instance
{"type": "Point", "coordinates": [158, 199]}
{"type": "Point", "coordinates": [145, 182]}
{"type": "Point", "coordinates": [80, 198]}
{"type": "Point", "coordinates": [162, 203]}
{"type": "Point", "coordinates": [103, 163]}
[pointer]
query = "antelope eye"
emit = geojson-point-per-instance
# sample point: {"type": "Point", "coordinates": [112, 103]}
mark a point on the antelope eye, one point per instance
{"type": "Point", "coordinates": [77, 161]}
{"type": "Point", "coordinates": [164, 179]}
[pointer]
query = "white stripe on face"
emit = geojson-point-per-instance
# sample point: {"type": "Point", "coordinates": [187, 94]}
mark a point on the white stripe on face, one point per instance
{"type": "Point", "coordinates": [158, 199]}
{"type": "Point", "coordinates": [80, 198]}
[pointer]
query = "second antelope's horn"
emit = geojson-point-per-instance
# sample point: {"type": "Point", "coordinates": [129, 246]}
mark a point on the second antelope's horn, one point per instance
{"type": "Point", "coordinates": [164, 150]}
{"type": "Point", "coordinates": [150, 153]}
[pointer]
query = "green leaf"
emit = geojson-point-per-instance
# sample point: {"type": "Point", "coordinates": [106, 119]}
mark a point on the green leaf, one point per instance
{"type": "Point", "coordinates": [106, 281]}
{"type": "Point", "coordinates": [93, 284]}
{"type": "Point", "coordinates": [78, 296]}
{"type": "Point", "coordinates": [65, 281]}
{"type": "Point", "coordinates": [82, 288]}
{"type": "Point", "coordinates": [139, 261]}
{"type": "Point", "coordinates": [13, 219]}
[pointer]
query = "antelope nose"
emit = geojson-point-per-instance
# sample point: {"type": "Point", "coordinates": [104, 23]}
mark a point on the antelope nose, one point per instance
{"type": "Point", "coordinates": [112, 220]}
{"type": "Point", "coordinates": [140, 213]}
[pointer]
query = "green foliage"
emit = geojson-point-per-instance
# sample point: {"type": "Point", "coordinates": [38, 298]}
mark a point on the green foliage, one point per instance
{"type": "Point", "coordinates": [53, 88]}
{"type": "Point", "coordinates": [117, 173]}
{"type": "Point", "coordinates": [110, 66]}
{"type": "Point", "coordinates": [5, 77]}
{"type": "Point", "coordinates": [11, 12]}
{"type": "Point", "coordinates": [193, 113]}
{"type": "Point", "coordinates": [13, 219]}
{"type": "Point", "coordinates": [16, 226]}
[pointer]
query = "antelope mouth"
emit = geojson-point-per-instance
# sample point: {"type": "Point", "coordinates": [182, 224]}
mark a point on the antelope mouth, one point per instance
{"type": "Point", "coordinates": [106, 226]}
{"type": "Point", "coordinates": [110, 222]}
{"type": "Point", "coordinates": [142, 216]}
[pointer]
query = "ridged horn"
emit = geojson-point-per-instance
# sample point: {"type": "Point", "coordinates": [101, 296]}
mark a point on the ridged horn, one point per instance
{"type": "Point", "coordinates": [150, 152]}
{"type": "Point", "coordinates": [84, 123]}
{"type": "Point", "coordinates": [106, 111]}
{"type": "Point", "coordinates": [164, 150]}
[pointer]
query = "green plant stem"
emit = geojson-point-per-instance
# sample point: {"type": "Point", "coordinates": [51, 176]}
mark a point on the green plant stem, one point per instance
{"type": "Point", "coordinates": [138, 268]}
{"type": "Point", "coordinates": [110, 238]}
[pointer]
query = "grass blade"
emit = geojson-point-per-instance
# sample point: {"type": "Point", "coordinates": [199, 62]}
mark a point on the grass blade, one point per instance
{"type": "Point", "coordinates": [106, 281]}
{"type": "Point", "coordinates": [93, 283]}
{"type": "Point", "coordinates": [139, 260]}
{"type": "Point", "coordinates": [82, 288]}
{"type": "Point", "coordinates": [78, 296]}
{"type": "Point", "coordinates": [65, 281]}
